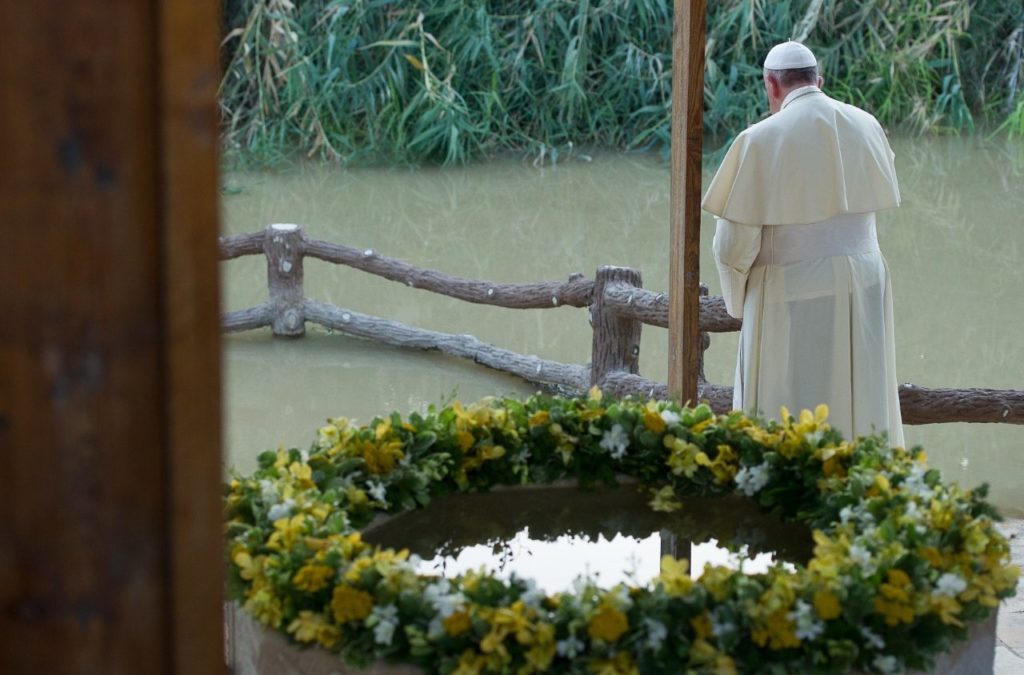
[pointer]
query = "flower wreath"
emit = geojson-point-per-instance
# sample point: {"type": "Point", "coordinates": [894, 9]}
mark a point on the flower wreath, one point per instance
{"type": "Point", "coordinates": [902, 561]}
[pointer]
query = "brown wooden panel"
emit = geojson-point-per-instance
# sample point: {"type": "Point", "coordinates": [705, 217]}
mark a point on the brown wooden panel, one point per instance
{"type": "Point", "coordinates": [86, 542]}
{"type": "Point", "coordinates": [189, 75]}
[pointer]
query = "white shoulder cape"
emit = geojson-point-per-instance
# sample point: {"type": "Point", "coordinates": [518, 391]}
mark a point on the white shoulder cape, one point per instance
{"type": "Point", "coordinates": [814, 159]}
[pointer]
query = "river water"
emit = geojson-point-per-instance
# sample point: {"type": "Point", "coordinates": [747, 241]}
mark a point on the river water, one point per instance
{"type": "Point", "coordinates": [954, 247]}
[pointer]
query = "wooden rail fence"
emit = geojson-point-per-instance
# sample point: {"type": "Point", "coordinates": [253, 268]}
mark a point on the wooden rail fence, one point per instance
{"type": "Point", "coordinates": [618, 305]}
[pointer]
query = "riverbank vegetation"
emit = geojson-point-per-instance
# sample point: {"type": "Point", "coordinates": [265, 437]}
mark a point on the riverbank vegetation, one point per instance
{"type": "Point", "coordinates": [445, 80]}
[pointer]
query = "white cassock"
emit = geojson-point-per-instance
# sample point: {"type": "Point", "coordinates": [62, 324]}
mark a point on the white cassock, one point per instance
{"type": "Point", "coordinates": [798, 258]}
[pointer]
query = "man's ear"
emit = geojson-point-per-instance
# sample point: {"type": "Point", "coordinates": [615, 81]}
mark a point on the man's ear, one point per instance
{"type": "Point", "coordinates": [773, 86]}
{"type": "Point", "coordinates": [821, 82]}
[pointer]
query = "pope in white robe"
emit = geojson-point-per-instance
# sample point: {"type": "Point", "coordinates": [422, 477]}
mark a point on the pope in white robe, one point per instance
{"type": "Point", "coordinates": [797, 254]}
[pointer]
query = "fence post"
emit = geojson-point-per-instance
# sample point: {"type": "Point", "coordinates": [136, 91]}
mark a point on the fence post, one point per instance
{"type": "Point", "coordinates": [616, 345]}
{"type": "Point", "coordinates": [705, 342]}
{"type": "Point", "coordinates": [283, 248]}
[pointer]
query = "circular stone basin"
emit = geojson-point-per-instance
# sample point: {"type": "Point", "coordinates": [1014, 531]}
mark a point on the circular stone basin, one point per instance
{"type": "Point", "coordinates": [553, 535]}
{"type": "Point", "coordinates": [897, 545]}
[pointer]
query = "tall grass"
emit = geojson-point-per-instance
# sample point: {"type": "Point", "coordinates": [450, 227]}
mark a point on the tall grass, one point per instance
{"type": "Point", "coordinates": [447, 80]}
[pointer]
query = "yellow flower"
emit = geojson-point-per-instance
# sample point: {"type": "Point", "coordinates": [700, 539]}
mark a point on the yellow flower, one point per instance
{"type": "Point", "coordinates": [608, 623]}
{"type": "Point", "coordinates": [539, 418]}
{"type": "Point", "coordinates": [714, 661]}
{"type": "Point", "coordinates": [682, 457]}
{"type": "Point", "coordinates": [702, 625]}
{"type": "Point", "coordinates": [777, 631]}
{"type": "Point", "coordinates": [894, 599]}
{"type": "Point", "coordinates": [513, 620]}
{"type": "Point", "coordinates": [674, 577]}
{"type": "Point", "coordinates": [350, 604]}
{"type": "Point", "coordinates": [724, 466]}
{"type": "Point", "coordinates": [540, 655]}
{"type": "Point", "coordinates": [265, 606]}
{"type": "Point", "coordinates": [947, 608]}
{"type": "Point", "coordinates": [941, 514]}
{"type": "Point", "coordinates": [716, 580]}
{"type": "Point", "coordinates": [313, 627]}
{"type": "Point", "coordinates": [652, 419]}
{"type": "Point", "coordinates": [665, 500]}
{"type": "Point", "coordinates": [380, 456]}
{"type": "Point", "coordinates": [472, 663]}
{"type": "Point", "coordinates": [312, 577]}
{"type": "Point", "coordinates": [478, 415]}
{"type": "Point", "coordinates": [621, 664]}
{"type": "Point", "coordinates": [286, 532]}
{"type": "Point", "coordinates": [595, 394]}
{"type": "Point", "coordinates": [302, 475]}
{"type": "Point", "coordinates": [248, 567]}
{"type": "Point", "coordinates": [465, 440]}
{"type": "Point", "coordinates": [457, 623]}
{"type": "Point", "coordinates": [827, 605]}
{"type": "Point", "coordinates": [829, 555]}
{"type": "Point", "coordinates": [932, 555]}
{"type": "Point", "coordinates": [701, 426]}
{"type": "Point", "coordinates": [480, 454]}
{"type": "Point", "coordinates": [355, 496]}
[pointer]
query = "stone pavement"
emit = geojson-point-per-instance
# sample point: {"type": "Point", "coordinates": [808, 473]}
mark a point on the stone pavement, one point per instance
{"type": "Point", "coordinates": [1010, 629]}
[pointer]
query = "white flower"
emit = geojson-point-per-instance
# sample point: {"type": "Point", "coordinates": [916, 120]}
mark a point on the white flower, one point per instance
{"type": "Point", "coordinates": [889, 665]}
{"type": "Point", "coordinates": [436, 628]}
{"type": "Point", "coordinates": [814, 437]}
{"type": "Point", "coordinates": [808, 626]}
{"type": "Point", "coordinates": [656, 633]}
{"type": "Point", "coordinates": [616, 441]}
{"type": "Point", "coordinates": [874, 640]}
{"type": "Point", "coordinates": [569, 647]}
{"type": "Point", "coordinates": [523, 456]}
{"type": "Point", "coordinates": [268, 493]}
{"type": "Point", "coordinates": [377, 490]}
{"type": "Point", "coordinates": [670, 417]}
{"type": "Point", "coordinates": [620, 597]}
{"type": "Point", "coordinates": [721, 627]}
{"type": "Point", "coordinates": [751, 479]}
{"type": "Point", "coordinates": [384, 620]}
{"type": "Point", "coordinates": [283, 510]}
{"type": "Point", "coordinates": [950, 584]}
{"type": "Point", "coordinates": [533, 595]}
{"type": "Point", "coordinates": [443, 602]}
{"type": "Point", "coordinates": [914, 484]}
{"type": "Point", "coordinates": [862, 556]}
{"type": "Point", "coordinates": [846, 514]}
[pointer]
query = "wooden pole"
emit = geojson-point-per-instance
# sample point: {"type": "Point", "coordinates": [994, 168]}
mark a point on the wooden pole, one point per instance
{"type": "Point", "coordinates": [684, 243]}
{"type": "Point", "coordinates": [110, 527]}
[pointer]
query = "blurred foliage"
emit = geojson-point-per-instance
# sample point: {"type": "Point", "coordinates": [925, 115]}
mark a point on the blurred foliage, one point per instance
{"type": "Point", "coordinates": [439, 80]}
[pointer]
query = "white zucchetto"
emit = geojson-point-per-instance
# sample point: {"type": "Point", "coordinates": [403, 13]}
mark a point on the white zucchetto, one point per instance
{"type": "Point", "coordinates": [788, 56]}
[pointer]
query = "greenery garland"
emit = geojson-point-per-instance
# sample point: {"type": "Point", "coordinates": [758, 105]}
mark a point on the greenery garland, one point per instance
{"type": "Point", "coordinates": [902, 561]}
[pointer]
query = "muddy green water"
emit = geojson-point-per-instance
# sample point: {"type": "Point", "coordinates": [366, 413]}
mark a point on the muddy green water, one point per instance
{"type": "Point", "coordinates": [955, 248]}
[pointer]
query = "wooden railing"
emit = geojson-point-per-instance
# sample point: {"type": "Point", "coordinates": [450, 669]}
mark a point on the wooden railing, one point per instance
{"type": "Point", "coordinates": [619, 306]}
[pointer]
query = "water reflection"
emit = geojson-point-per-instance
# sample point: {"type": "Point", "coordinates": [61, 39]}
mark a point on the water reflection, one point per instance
{"type": "Point", "coordinates": [954, 248]}
{"type": "Point", "coordinates": [553, 535]}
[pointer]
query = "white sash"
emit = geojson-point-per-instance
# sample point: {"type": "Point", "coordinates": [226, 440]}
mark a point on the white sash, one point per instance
{"type": "Point", "coordinates": [845, 234]}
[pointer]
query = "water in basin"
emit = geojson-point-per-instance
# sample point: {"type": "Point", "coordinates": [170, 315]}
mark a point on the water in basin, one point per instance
{"type": "Point", "coordinates": [554, 535]}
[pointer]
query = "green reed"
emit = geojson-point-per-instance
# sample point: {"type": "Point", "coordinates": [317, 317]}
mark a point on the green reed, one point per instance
{"type": "Point", "coordinates": [448, 80]}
